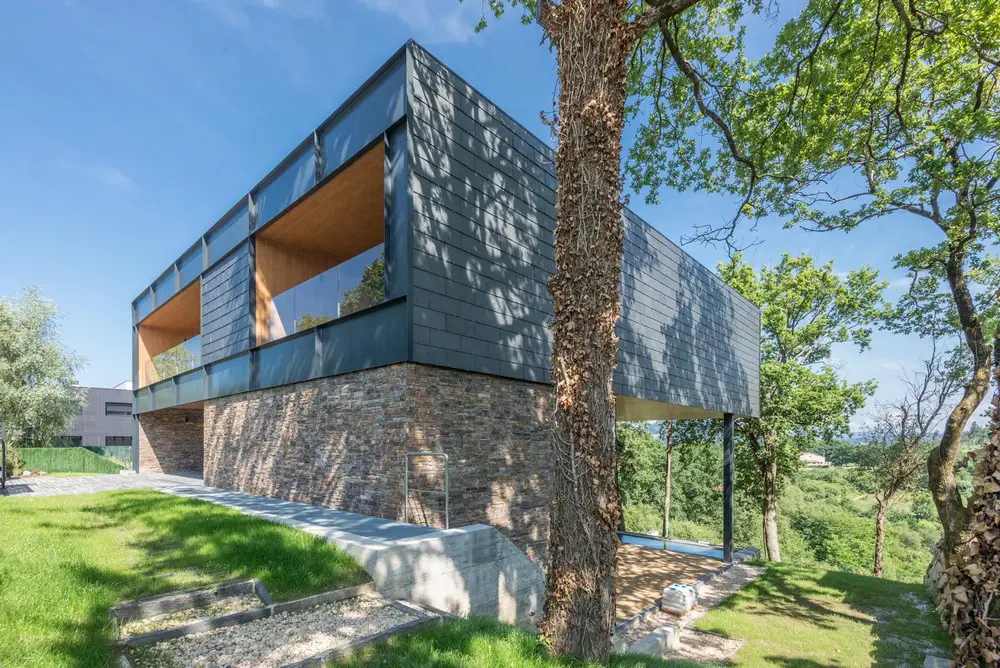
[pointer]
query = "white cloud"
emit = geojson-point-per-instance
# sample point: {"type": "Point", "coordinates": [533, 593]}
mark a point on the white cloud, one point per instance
{"type": "Point", "coordinates": [433, 21]}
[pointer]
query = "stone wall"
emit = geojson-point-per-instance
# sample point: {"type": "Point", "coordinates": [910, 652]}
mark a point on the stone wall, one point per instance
{"type": "Point", "coordinates": [339, 442]}
{"type": "Point", "coordinates": [171, 440]}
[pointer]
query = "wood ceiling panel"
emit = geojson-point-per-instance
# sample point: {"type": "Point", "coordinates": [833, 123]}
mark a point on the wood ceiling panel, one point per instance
{"type": "Point", "coordinates": [341, 219]}
{"type": "Point", "coordinates": [182, 312]}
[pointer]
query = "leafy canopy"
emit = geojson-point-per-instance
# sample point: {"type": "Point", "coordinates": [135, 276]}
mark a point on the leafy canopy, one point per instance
{"type": "Point", "coordinates": [38, 393]}
{"type": "Point", "coordinates": [805, 310]}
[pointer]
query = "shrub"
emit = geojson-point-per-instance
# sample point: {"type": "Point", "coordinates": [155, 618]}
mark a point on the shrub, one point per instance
{"type": "Point", "coordinates": [15, 466]}
{"type": "Point", "coordinates": [642, 518]}
{"type": "Point", "coordinates": [67, 460]}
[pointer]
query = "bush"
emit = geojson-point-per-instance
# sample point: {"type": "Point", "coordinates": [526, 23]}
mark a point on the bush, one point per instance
{"type": "Point", "coordinates": [15, 466]}
{"type": "Point", "coordinates": [642, 518]}
{"type": "Point", "coordinates": [67, 460]}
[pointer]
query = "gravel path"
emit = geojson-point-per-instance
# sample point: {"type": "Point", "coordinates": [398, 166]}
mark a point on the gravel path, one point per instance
{"type": "Point", "coordinates": [277, 640]}
{"type": "Point", "coordinates": [697, 645]}
{"type": "Point", "coordinates": [225, 606]}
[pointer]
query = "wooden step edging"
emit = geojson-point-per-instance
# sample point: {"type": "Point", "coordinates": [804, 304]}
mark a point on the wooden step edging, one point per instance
{"type": "Point", "coordinates": [269, 610]}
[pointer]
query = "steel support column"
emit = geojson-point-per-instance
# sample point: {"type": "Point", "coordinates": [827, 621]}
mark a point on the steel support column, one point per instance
{"type": "Point", "coordinates": [728, 480]}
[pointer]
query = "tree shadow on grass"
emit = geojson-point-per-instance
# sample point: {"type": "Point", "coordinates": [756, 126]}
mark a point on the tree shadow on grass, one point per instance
{"type": "Point", "coordinates": [905, 623]}
{"type": "Point", "coordinates": [481, 641]}
{"type": "Point", "coordinates": [172, 544]}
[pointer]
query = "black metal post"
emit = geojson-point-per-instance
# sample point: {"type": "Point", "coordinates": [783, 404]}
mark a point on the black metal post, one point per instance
{"type": "Point", "coordinates": [728, 483]}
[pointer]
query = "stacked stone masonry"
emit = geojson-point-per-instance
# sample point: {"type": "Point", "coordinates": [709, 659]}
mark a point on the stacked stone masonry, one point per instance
{"type": "Point", "coordinates": [339, 442]}
{"type": "Point", "coordinates": [171, 440]}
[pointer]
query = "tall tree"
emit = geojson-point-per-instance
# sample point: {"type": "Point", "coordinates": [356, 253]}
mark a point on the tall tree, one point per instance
{"type": "Point", "coordinates": [805, 310]}
{"type": "Point", "coordinates": [38, 393]}
{"type": "Point", "coordinates": [861, 110]}
{"type": "Point", "coordinates": [891, 460]}
{"type": "Point", "coordinates": [592, 40]}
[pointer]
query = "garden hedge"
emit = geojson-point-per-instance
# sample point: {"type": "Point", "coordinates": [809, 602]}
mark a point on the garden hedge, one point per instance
{"type": "Point", "coordinates": [66, 460]}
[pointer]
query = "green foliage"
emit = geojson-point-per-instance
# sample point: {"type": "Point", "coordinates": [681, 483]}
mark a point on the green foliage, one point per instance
{"type": "Point", "coordinates": [309, 320]}
{"type": "Point", "coordinates": [805, 310]}
{"type": "Point", "coordinates": [67, 559]}
{"type": "Point", "coordinates": [370, 291]}
{"type": "Point", "coordinates": [38, 393]}
{"type": "Point", "coordinates": [14, 463]}
{"type": "Point", "coordinates": [175, 361]}
{"type": "Point", "coordinates": [67, 460]}
{"type": "Point", "coordinates": [838, 451]}
{"type": "Point", "coordinates": [641, 462]}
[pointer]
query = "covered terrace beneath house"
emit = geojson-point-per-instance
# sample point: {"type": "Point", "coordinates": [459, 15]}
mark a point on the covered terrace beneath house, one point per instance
{"type": "Point", "coordinates": [647, 564]}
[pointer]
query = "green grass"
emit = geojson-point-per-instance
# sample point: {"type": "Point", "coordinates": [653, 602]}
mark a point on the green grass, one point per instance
{"type": "Point", "coordinates": [66, 460]}
{"type": "Point", "coordinates": [65, 560]}
{"type": "Point", "coordinates": [480, 642]}
{"type": "Point", "coordinates": [794, 616]}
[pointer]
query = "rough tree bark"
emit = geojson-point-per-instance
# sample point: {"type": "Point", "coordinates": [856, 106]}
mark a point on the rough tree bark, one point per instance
{"type": "Point", "coordinates": [667, 478]}
{"type": "Point", "coordinates": [592, 40]}
{"type": "Point", "coordinates": [879, 541]}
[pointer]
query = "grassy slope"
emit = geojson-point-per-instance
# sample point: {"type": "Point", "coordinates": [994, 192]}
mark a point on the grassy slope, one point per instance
{"type": "Point", "coordinates": [479, 642]}
{"type": "Point", "coordinates": [796, 616]}
{"type": "Point", "coordinates": [65, 560]}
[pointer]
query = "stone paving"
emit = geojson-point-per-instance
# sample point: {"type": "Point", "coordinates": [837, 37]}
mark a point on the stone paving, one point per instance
{"type": "Point", "coordinates": [323, 522]}
{"type": "Point", "coordinates": [54, 486]}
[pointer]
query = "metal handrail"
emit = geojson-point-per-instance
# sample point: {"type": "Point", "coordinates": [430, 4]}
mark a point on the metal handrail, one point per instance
{"type": "Point", "coordinates": [406, 484]}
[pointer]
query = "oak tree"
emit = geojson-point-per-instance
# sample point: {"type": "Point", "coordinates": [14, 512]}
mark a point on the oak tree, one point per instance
{"type": "Point", "coordinates": [805, 310]}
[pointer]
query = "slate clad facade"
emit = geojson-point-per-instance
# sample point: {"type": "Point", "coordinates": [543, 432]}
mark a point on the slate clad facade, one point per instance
{"type": "Point", "coordinates": [463, 199]}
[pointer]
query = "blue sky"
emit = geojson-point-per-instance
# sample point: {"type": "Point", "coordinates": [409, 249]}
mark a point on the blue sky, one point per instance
{"type": "Point", "coordinates": [127, 129]}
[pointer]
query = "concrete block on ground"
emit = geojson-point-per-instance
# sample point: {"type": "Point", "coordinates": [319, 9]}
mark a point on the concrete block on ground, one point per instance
{"type": "Point", "coordinates": [658, 642]}
{"type": "Point", "coordinates": [679, 598]}
{"type": "Point", "coordinates": [937, 662]}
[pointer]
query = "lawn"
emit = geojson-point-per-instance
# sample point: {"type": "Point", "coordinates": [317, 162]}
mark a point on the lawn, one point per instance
{"type": "Point", "coordinates": [480, 642]}
{"type": "Point", "coordinates": [795, 616]}
{"type": "Point", "coordinates": [65, 560]}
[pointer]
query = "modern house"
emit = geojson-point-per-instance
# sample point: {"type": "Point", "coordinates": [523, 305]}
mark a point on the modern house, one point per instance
{"type": "Point", "coordinates": [382, 292]}
{"type": "Point", "coordinates": [106, 418]}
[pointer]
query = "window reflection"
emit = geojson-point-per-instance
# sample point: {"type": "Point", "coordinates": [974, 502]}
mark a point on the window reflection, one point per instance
{"type": "Point", "coordinates": [347, 288]}
{"type": "Point", "coordinates": [229, 235]}
{"type": "Point", "coordinates": [291, 184]}
{"type": "Point", "coordinates": [182, 357]}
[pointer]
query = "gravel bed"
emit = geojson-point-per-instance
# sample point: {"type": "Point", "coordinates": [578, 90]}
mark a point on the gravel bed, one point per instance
{"type": "Point", "coordinates": [277, 640]}
{"type": "Point", "coordinates": [710, 594]}
{"type": "Point", "coordinates": [225, 606]}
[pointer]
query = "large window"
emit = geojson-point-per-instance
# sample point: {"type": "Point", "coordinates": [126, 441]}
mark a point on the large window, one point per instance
{"type": "Point", "coordinates": [324, 259]}
{"type": "Point", "coordinates": [175, 361]}
{"type": "Point", "coordinates": [117, 440]}
{"type": "Point", "coordinates": [349, 287]}
{"type": "Point", "coordinates": [117, 408]}
{"type": "Point", "coordinates": [170, 338]}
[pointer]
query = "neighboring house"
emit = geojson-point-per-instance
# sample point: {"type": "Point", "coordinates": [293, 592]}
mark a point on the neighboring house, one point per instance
{"type": "Point", "coordinates": [106, 418]}
{"type": "Point", "coordinates": [383, 291]}
{"type": "Point", "coordinates": [814, 460]}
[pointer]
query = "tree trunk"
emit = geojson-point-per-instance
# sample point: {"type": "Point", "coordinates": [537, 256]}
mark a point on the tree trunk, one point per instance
{"type": "Point", "coordinates": [942, 459]}
{"type": "Point", "coordinates": [667, 480]}
{"type": "Point", "coordinates": [770, 512]}
{"type": "Point", "coordinates": [879, 540]}
{"type": "Point", "coordinates": [592, 41]}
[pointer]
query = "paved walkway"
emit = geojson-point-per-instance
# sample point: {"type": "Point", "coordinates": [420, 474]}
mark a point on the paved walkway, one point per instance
{"type": "Point", "coordinates": [323, 522]}
{"type": "Point", "coordinates": [54, 486]}
{"type": "Point", "coordinates": [326, 523]}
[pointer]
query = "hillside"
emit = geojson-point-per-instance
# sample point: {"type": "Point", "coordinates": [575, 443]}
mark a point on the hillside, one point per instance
{"type": "Point", "coordinates": [825, 519]}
